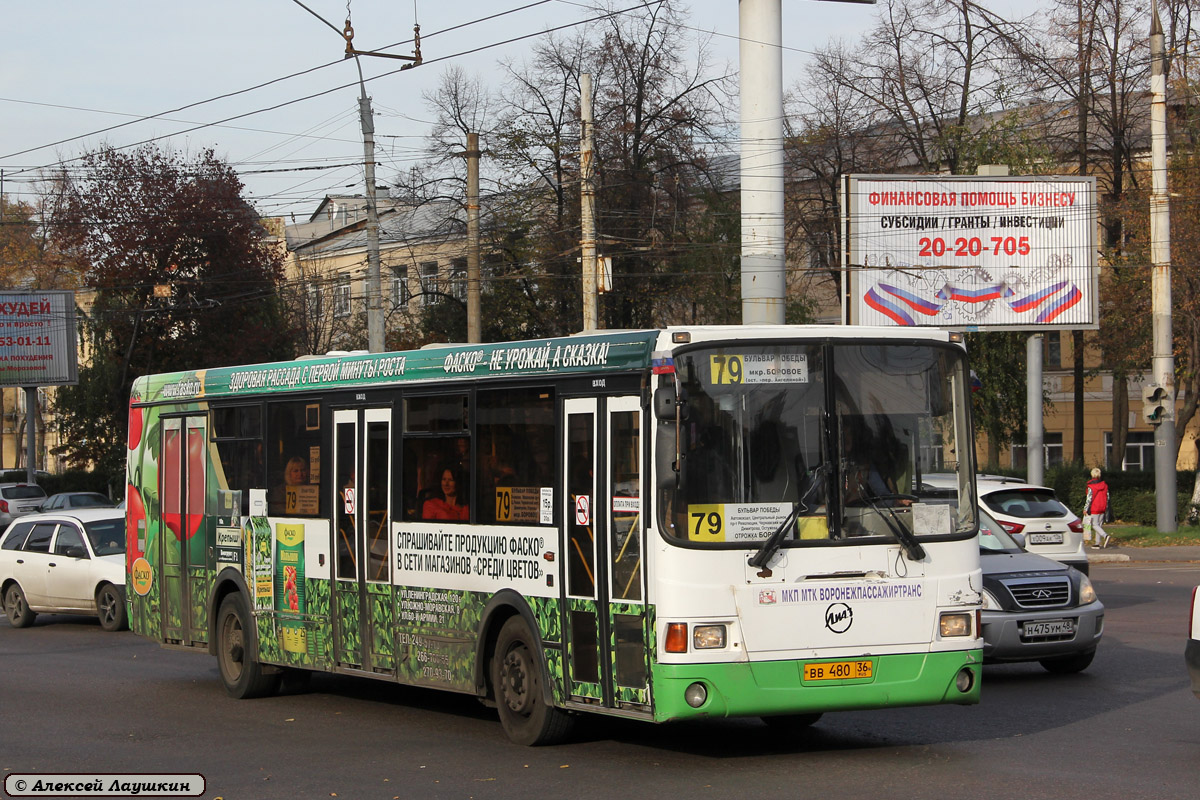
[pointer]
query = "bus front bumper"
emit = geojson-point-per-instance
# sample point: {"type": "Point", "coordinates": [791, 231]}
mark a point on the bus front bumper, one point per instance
{"type": "Point", "coordinates": [768, 688]}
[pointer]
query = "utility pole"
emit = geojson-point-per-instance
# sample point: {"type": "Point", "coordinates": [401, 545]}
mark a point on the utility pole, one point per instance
{"type": "Point", "coordinates": [1160, 254]}
{"type": "Point", "coordinates": [1084, 57]}
{"type": "Point", "coordinates": [374, 293]}
{"type": "Point", "coordinates": [587, 169]}
{"type": "Point", "coordinates": [474, 322]}
{"type": "Point", "coordinates": [760, 28]}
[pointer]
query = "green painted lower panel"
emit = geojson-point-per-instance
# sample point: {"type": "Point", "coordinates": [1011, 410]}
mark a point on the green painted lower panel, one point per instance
{"type": "Point", "coordinates": [775, 687]}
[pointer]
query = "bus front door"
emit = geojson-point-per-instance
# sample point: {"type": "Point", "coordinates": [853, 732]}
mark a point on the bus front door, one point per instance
{"type": "Point", "coordinates": [362, 608]}
{"type": "Point", "coordinates": [603, 583]}
{"type": "Point", "coordinates": [181, 493]}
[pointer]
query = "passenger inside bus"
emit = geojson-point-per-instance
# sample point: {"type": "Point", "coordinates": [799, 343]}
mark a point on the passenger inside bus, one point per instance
{"type": "Point", "coordinates": [446, 503]}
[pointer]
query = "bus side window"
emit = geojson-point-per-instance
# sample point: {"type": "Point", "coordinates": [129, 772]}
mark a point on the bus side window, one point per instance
{"type": "Point", "coordinates": [516, 439]}
{"type": "Point", "coordinates": [294, 460]}
{"type": "Point", "coordinates": [237, 431]}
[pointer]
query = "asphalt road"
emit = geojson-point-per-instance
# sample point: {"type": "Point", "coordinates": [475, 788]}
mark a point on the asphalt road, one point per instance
{"type": "Point", "coordinates": [75, 699]}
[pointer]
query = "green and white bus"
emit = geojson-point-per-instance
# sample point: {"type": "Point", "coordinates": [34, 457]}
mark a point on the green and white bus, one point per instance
{"type": "Point", "coordinates": [673, 524]}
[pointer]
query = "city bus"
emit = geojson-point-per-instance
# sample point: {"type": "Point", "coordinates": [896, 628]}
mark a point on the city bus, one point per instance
{"type": "Point", "coordinates": [695, 522]}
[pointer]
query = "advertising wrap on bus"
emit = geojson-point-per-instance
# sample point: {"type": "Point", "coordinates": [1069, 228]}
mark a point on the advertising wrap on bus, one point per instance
{"type": "Point", "coordinates": [694, 522]}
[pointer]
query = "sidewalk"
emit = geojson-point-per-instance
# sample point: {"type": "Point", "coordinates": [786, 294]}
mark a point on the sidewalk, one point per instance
{"type": "Point", "coordinates": [1109, 555]}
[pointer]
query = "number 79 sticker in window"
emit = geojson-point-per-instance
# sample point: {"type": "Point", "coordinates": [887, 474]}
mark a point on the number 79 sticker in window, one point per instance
{"type": "Point", "coordinates": [734, 369]}
{"type": "Point", "coordinates": [734, 522]}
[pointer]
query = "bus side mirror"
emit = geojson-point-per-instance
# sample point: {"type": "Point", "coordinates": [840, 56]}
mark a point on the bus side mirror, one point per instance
{"type": "Point", "coordinates": [666, 402]}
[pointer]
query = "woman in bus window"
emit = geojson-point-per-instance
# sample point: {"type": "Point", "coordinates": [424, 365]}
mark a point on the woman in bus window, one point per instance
{"type": "Point", "coordinates": [447, 506]}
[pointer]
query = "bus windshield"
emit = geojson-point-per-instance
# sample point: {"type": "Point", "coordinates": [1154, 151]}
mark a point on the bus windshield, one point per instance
{"type": "Point", "coordinates": [838, 436]}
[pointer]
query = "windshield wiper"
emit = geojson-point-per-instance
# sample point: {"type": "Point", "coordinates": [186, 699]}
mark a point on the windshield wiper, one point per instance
{"type": "Point", "coordinates": [912, 548]}
{"type": "Point", "coordinates": [772, 543]}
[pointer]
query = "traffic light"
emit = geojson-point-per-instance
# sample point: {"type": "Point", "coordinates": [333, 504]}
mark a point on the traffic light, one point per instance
{"type": "Point", "coordinates": [1157, 403]}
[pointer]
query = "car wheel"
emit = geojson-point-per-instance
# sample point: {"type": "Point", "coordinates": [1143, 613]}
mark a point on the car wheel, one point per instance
{"type": "Point", "coordinates": [1069, 664]}
{"type": "Point", "coordinates": [110, 607]}
{"type": "Point", "coordinates": [240, 669]}
{"type": "Point", "coordinates": [20, 615]}
{"type": "Point", "coordinates": [517, 681]}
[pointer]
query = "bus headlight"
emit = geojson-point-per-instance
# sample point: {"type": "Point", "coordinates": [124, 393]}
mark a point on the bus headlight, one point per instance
{"type": "Point", "coordinates": [708, 637]}
{"type": "Point", "coordinates": [955, 623]}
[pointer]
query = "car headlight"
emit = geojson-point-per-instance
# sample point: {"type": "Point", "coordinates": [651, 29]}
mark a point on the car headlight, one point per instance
{"type": "Point", "coordinates": [1086, 593]}
{"type": "Point", "coordinates": [989, 602]}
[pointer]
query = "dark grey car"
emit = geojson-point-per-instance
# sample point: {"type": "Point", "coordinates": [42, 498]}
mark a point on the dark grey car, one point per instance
{"type": "Point", "coordinates": [1035, 608]}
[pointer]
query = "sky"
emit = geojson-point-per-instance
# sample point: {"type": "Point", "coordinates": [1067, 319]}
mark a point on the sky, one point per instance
{"type": "Point", "coordinates": [69, 69]}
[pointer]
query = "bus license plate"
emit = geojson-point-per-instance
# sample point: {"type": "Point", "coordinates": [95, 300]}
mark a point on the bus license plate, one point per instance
{"type": "Point", "coordinates": [1045, 538]}
{"type": "Point", "coordinates": [1050, 627]}
{"type": "Point", "coordinates": [838, 670]}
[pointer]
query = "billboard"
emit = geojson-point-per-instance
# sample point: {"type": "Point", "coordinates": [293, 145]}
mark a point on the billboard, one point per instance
{"type": "Point", "coordinates": [37, 339]}
{"type": "Point", "coordinates": [1012, 253]}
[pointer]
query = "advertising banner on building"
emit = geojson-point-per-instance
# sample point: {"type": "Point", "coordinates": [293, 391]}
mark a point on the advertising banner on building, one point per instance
{"type": "Point", "coordinates": [971, 252]}
{"type": "Point", "coordinates": [37, 339]}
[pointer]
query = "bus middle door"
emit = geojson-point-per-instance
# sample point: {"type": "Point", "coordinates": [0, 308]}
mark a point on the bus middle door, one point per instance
{"type": "Point", "coordinates": [362, 602]}
{"type": "Point", "coordinates": [603, 584]}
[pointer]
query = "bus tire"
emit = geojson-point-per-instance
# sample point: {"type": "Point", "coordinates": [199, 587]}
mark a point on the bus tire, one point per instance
{"type": "Point", "coordinates": [20, 615]}
{"type": "Point", "coordinates": [517, 680]}
{"type": "Point", "coordinates": [240, 669]}
{"type": "Point", "coordinates": [110, 607]}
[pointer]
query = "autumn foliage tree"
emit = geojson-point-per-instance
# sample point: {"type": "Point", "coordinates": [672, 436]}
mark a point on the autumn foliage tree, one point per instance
{"type": "Point", "coordinates": [184, 277]}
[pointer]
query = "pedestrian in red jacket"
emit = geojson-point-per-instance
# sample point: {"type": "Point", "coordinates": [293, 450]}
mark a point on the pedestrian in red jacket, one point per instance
{"type": "Point", "coordinates": [1093, 510]}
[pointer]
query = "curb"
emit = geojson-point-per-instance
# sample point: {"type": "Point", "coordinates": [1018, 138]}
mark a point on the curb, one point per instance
{"type": "Point", "coordinates": [1108, 558]}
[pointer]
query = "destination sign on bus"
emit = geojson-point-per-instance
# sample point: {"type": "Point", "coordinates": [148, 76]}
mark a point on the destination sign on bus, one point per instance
{"type": "Point", "coordinates": [733, 369]}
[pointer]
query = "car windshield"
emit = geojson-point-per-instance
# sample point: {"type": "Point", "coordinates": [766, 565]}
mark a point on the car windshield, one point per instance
{"type": "Point", "coordinates": [834, 438]}
{"type": "Point", "coordinates": [993, 538]}
{"type": "Point", "coordinates": [106, 535]}
{"type": "Point", "coordinates": [1027, 503]}
{"type": "Point", "coordinates": [28, 492]}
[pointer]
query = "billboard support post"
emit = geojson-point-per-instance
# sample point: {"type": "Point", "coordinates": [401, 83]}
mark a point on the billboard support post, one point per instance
{"type": "Point", "coordinates": [30, 434]}
{"type": "Point", "coordinates": [1035, 434]}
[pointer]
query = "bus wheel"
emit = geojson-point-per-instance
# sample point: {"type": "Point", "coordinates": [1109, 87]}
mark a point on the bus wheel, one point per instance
{"type": "Point", "coordinates": [241, 673]}
{"type": "Point", "coordinates": [20, 615]}
{"type": "Point", "coordinates": [110, 607]}
{"type": "Point", "coordinates": [517, 681]}
{"type": "Point", "coordinates": [791, 723]}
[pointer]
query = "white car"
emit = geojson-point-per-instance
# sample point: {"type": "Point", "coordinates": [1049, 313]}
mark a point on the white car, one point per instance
{"type": "Point", "coordinates": [65, 563]}
{"type": "Point", "coordinates": [1049, 527]}
{"type": "Point", "coordinates": [1191, 652]}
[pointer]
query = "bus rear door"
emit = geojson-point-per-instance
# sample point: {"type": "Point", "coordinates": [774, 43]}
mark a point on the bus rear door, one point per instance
{"type": "Point", "coordinates": [182, 560]}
